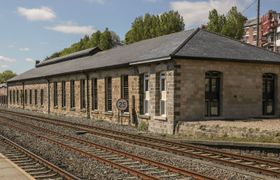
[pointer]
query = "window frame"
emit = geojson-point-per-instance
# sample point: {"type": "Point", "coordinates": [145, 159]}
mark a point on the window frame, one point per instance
{"type": "Point", "coordinates": [94, 94]}
{"type": "Point", "coordinates": [42, 97]}
{"type": "Point", "coordinates": [82, 94]}
{"type": "Point", "coordinates": [55, 94]}
{"type": "Point", "coordinates": [108, 94]}
{"type": "Point", "coordinates": [63, 94]}
{"type": "Point", "coordinates": [72, 94]}
{"type": "Point", "coordinates": [125, 90]}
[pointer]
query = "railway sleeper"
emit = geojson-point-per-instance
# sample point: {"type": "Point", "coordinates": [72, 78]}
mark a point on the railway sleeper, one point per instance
{"type": "Point", "coordinates": [27, 163]}
{"type": "Point", "coordinates": [40, 172]}
{"type": "Point", "coordinates": [22, 160]}
{"type": "Point", "coordinates": [130, 163]}
{"type": "Point", "coordinates": [35, 169]}
{"type": "Point", "coordinates": [46, 176]}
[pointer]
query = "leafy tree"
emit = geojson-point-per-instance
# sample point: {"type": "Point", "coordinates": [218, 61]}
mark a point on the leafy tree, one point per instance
{"type": "Point", "coordinates": [151, 26]}
{"type": "Point", "coordinates": [6, 75]}
{"type": "Point", "coordinates": [230, 25]}
{"type": "Point", "coordinates": [104, 40]}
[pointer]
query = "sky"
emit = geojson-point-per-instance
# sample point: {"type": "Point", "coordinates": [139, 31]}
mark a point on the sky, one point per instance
{"type": "Point", "coordinates": [34, 29]}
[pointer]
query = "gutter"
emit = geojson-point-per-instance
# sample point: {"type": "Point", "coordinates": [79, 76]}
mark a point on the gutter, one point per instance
{"type": "Point", "coordinates": [151, 60]}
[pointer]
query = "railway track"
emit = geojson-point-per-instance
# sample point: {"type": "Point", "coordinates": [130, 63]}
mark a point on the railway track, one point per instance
{"type": "Point", "coordinates": [266, 167]}
{"type": "Point", "coordinates": [136, 166]}
{"type": "Point", "coordinates": [34, 165]}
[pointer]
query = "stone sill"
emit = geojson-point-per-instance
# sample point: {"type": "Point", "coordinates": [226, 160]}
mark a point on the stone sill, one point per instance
{"type": "Point", "coordinates": [83, 110]}
{"type": "Point", "coordinates": [108, 113]}
{"type": "Point", "coordinates": [95, 111]}
{"type": "Point", "coordinates": [55, 107]}
{"type": "Point", "coordinates": [72, 109]}
{"type": "Point", "coordinates": [161, 118]}
{"type": "Point", "coordinates": [125, 114]}
{"type": "Point", "coordinates": [144, 116]}
{"type": "Point", "coordinates": [63, 108]}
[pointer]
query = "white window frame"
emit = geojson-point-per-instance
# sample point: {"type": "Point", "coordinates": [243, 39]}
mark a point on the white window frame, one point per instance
{"type": "Point", "coordinates": [162, 93]}
{"type": "Point", "coordinates": [146, 102]}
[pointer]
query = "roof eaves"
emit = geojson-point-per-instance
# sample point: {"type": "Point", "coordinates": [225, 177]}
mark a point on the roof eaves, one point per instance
{"type": "Point", "coordinates": [151, 60]}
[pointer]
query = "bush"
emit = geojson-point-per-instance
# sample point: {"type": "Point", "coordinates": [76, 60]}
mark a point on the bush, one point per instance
{"type": "Point", "coordinates": [143, 126]}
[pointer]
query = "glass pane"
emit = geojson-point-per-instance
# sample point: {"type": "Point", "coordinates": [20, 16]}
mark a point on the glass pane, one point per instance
{"type": "Point", "coordinates": [214, 109]}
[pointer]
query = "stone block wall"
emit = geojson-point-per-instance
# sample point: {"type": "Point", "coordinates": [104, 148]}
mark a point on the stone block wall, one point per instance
{"type": "Point", "coordinates": [241, 88]}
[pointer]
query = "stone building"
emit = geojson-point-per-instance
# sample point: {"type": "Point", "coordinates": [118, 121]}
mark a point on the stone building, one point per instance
{"type": "Point", "coordinates": [3, 94]}
{"type": "Point", "coordinates": [186, 76]}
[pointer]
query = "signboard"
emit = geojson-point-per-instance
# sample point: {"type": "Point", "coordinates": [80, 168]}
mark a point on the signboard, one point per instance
{"type": "Point", "coordinates": [122, 104]}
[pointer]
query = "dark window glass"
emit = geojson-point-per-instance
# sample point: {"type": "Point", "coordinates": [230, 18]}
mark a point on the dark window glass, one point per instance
{"type": "Point", "coordinates": [72, 93]}
{"type": "Point", "coordinates": [63, 93]}
{"type": "Point", "coordinates": [35, 94]}
{"type": "Point", "coordinates": [83, 93]}
{"type": "Point", "coordinates": [212, 93]}
{"type": "Point", "coordinates": [30, 96]}
{"type": "Point", "coordinates": [25, 97]}
{"type": "Point", "coordinates": [269, 85]}
{"type": "Point", "coordinates": [42, 97]}
{"type": "Point", "coordinates": [94, 94]}
{"type": "Point", "coordinates": [108, 93]}
{"type": "Point", "coordinates": [55, 95]}
{"type": "Point", "coordinates": [125, 90]}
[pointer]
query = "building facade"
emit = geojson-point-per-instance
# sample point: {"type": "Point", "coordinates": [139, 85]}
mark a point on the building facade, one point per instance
{"type": "Point", "coordinates": [269, 31]}
{"type": "Point", "coordinates": [187, 76]}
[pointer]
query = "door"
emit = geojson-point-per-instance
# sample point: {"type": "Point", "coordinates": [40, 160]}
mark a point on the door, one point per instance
{"type": "Point", "coordinates": [269, 81]}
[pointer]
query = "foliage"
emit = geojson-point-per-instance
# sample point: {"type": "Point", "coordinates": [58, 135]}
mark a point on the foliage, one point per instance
{"type": "Point", "coordinates": [230, 25]}
{"type": "Point", "coordinates": [143, 126]}
{"type": "Point", "coordinates": [103, 40]}
{"type": "Point", "coordinates": [151, 26]}
{"type": "Point", "coordinates": [6, 75]}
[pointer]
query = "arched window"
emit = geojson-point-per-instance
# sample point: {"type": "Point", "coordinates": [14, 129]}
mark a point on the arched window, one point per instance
{"type": "Point", "coordinates": [269, 95]}
{"type": "Point", "coordinates": [213, 93]}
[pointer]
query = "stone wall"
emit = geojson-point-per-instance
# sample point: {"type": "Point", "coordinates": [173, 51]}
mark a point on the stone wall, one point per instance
{"type": "Point", "coordinates": [155, 122]}
{"type": "Point", "coordinates": [241, 88]}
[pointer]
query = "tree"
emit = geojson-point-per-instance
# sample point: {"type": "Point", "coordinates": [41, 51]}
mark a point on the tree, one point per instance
{"type": "Point", "coordinates": [151, 26]}
{"type": "Point", "coordinates": [6, 75]}
{"type": "Point", "coordinates": [104, 40]}
{"type": "Point", "coordinates": [230, 25]}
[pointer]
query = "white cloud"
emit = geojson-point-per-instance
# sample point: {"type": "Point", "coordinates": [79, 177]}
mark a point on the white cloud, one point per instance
{"type": "Point", "coordinates": [30, 60]}
{"type": "Point", "coordinates": [37, 14]}
{"type": "Point", "coordinates": [96, 1]}
{"type": "Point", "coordinates": [4, 66]}
{"type": "Point", "coordinates": [71, 28]}
{"type": "Point", "coordinates": [24, 49]}
{"type": "Point", "coordinates": [6, 59]}
{"type": "Point", "coordinates": [196, 13]}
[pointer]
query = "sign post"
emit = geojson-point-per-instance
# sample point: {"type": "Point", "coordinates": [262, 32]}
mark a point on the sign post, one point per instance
{"type": "Point", "coordinates": [122, 105]}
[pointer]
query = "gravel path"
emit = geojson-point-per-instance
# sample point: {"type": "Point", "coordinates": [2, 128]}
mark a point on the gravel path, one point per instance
{"type": "Point", "coordinates": [207, 168]}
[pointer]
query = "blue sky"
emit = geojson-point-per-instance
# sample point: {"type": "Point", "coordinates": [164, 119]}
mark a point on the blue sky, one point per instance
{"type": "Point", "coordinates": [34, 29]}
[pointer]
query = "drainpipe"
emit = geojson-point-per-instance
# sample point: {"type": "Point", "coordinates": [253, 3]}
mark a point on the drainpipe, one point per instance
{"type": "Point", "coordinates": [23, 96]}
{"type": "Point", "coordinates": [88, 109]}
{"type": "Point", "coordinates": [49, 97]}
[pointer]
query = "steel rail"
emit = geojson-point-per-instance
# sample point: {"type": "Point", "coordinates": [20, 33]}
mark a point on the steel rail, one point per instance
{"type": "Point", "coordinates": [122, 153]}
{"type": "Point", "coordinates": [37, 158]}
{"type": "Point", "coordinates": [174, 146]}
{"type": "Point", "coordinates": [154, 163]}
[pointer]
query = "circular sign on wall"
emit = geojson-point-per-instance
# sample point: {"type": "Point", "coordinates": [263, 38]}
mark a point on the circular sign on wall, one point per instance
{"type": "Point", "coordinates": [122, 104]}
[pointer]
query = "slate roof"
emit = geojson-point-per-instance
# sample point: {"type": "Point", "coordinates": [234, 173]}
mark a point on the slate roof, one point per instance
{"type": "Point", "coordinates": [188, 44]}
{"type": "Point", "coordinates": [251, 22]}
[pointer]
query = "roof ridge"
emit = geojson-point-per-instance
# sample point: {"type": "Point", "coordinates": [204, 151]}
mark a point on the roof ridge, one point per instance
{"type": "Point", "coordinates": [257, 47]}
{"type": "Point", "coordinates": [185, 42]}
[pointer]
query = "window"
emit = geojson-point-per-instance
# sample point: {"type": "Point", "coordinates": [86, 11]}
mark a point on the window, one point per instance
{"type": "Point", "coordinates": [30, 96]}
{"type": "Point", "coordinates": [14, 96]}
{"type": "Point", "coordinates": [269, 85]}
{"type": "Point", "coordinates": [108, 93]}
{"type": "Point", "coordinates": [25, 97]}
{"type": "Point", "coordinates": [162, 82]}
{"type": "Point", "coordinates": [146, 94]}
{"type": "Point", "coordinates": [21, 96]}
{"type": "Point", "coordinates": [125, 90]}
{"type": "Point", "coordinates": [72, 93]}
{"type": "Point", "coordinates": [94, 94]}
{"type": "Point", "coordinates": [55, 102]}
{"type": "Point", "coordinates": [17, 96]}
{"type": "Point", "coordinates": [11, 98]}
{"type": "Point", "coordinates": [83, 93]}
{"type": "Point", "coordinates": [146, 82]}
{"type": "Point", "coordinates": [42, 97]}
{"type": "Point", "coordinates": [63, 93]}
{"type": "Point", "coordinates": [162, 103]}
{"type": "Point", "coordinates": [212, 93]}
{"type": "Point", "coordinates": [36, 96]}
